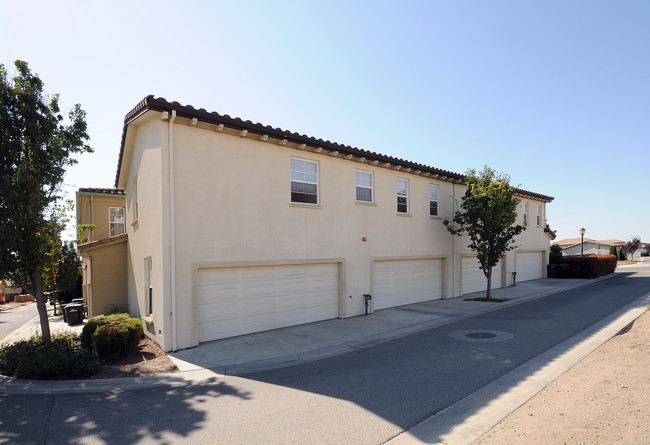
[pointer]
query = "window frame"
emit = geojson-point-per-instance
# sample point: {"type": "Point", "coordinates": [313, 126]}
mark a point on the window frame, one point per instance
{"type": "Point", "coordinates": [525, 212]}
{"type": "Point", "coordinates": [111, 223]}
{"type": "Point", "coordinates": [539, 215]}
{"type": "Point", "coordinates": [296, 181]}
{"type": "Point", "coordinates": [437, 200]}
{"type": "Point", "coordinates": [135, 200]}
{"type": "Point", "coordinates": [405, 197]}
{"type": "Point", "coordinates": [371, 188]}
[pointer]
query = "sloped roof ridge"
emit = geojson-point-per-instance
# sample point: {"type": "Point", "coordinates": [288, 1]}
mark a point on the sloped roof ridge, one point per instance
{"type": "Point", "coordinates": [107, 191]}
{"type": "Point", "coordinates": [161, 104]}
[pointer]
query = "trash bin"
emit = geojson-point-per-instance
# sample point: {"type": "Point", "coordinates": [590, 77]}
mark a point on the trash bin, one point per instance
{"type": "Point", "coordinates": [62, 306]}
{"type": "Point", "coordinates": [551, 271]}
{"type": "Point", "coordinates": [563, 271]}
{"type": "Point", "coordinates": [74, 314]}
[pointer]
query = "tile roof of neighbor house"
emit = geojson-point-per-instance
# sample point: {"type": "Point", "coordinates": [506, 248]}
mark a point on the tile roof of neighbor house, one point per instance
{"type": "Point", "coordinates": [570, 242]}
{"type": "Point", "coordinates": [151, 103]}
{"type": "Point", "coordinates": [112, 239]}
{"type": "Point", "coordinates": [102, 190]}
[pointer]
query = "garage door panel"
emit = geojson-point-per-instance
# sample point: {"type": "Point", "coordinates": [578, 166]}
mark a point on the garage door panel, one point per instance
{"type": "Point", "coordinates": [528, 265]}
{"type": "Point", "coordinates": [237, 301]}
{"type": "Point", "coordinates": [473, 278]}
{"type": "Point", "coordinates": [403, 282]}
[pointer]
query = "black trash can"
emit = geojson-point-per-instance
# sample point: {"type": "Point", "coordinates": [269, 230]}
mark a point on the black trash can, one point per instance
{"type": "Point", "coordinates": [74, 314]}
{"type": "Point", "coordinates": [65, 317]}
{"type": "Point", "coordinates": [551, 271]}
{"type": "Point", "coordinates": [563, 271]}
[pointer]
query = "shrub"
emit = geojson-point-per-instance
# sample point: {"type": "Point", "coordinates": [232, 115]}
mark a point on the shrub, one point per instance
{"type": "Point", "coordinates": [63, 358]}
{"type": "Point", "coordinates": [113, 341]}
{"type": "Point", "coordinates": [112, 336]}
{"type": "Point", "coordinates": [612, 250]}
{"type": "Point", "coordinates": [93, 323]}
{"type": "Point", "coordinates": [589, 266]}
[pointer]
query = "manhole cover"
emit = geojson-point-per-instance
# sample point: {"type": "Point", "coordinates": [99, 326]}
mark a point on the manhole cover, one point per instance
{"type": "Point", "coordinates": [481, 335]}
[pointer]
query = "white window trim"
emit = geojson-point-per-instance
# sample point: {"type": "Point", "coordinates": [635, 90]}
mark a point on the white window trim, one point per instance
{"type": "Point", "coordinates": [525, 213]}
{"type": "Point", "coordinates": [539, 216]}
{"type": "Point", "coordinates": [437, 201]}
{"type": "Point", "coordinates": [317, 183]}
{"type": "Point", "coordinates": [371, 188]}
{"type": "Point", "coordinates": [110, 223]}
{"type": "Point", "coordinates": [134, 196]}
{"type": "Point", "coordinates": [397, 196]}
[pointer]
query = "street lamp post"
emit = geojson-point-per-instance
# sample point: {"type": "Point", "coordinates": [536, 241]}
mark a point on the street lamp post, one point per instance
{"type": "Point", "coordinates": [582, 241]}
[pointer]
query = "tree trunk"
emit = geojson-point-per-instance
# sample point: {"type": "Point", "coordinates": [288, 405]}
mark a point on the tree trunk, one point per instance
{"type": "Point", "coordinates": [37, 280]}
{"type": "Point", "coordinates": [488, 292]}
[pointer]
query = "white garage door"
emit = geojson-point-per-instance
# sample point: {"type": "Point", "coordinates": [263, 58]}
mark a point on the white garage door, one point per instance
{"type": "Point", "coordinates": [396, 283]}
{"type": "Point", "coordinates": [473, 278]}
{"type": "Point", "coordinates": [241, 300]}
{"type": "Point", "coordinates": [529, 265]}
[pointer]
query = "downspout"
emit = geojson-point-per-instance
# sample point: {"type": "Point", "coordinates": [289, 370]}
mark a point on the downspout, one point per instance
{"type": "Point", "coordinates": [453, 240]}
{"type": "Point", "coordinates": [91, 233]}
{"type": "Point", "coordinates": [172, 225]}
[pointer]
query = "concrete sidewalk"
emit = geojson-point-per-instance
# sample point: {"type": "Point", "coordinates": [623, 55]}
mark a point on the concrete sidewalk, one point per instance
{"type": "Point", "coordinates": [293, 345]}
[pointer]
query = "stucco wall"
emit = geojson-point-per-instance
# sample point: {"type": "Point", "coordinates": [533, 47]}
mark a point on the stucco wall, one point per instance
{"type": "Point", "coordinates": [93, 209]}
{"type": "Point", "coordinates": [109, 278]}
{"type": "Point", "coordinates": [145, 168]}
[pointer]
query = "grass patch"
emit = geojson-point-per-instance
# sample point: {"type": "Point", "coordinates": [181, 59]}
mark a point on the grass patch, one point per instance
{"type": "Point", "coordinates": [488, 300]}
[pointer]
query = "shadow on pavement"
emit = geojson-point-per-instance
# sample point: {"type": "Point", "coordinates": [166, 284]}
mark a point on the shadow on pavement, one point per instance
{"type": "Point", "coordinates": [156, 415]}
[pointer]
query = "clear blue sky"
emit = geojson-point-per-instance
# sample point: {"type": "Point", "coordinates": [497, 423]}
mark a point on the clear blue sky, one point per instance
{"type": "Point", "coordinates": [554, 93]}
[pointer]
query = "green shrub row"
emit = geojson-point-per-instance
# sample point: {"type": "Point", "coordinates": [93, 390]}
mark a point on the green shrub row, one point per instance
{"type": "Point", "coordinates": [589, 266]}
{"type": "Point", "coordinates": [63, 358]}
{"type": "Point", "coordinates": [112, 336]}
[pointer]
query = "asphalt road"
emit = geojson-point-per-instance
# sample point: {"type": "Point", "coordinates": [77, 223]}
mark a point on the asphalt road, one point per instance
{"type": "Point", "coordinates": [13, 319]}
{"type": "Point", "coordinates": [364, 397]}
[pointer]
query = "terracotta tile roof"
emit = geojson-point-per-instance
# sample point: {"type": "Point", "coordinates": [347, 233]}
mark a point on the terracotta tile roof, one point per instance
{"type": "Point", "coordinates": [151, 103]}
{"type": "Point", "coordinates": [570, 242]}
{"type": "Point", "coordinates": [114, 191]}
{"type": "Point", "coordinates": [102, 241]}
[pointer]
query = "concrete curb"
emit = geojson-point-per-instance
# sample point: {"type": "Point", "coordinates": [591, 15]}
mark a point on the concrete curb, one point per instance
{"type": "Point", "coordinates": [494, 402]}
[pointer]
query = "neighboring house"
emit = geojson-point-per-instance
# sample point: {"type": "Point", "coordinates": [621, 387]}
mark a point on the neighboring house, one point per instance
{"type": "Point", "coordinates": [235, 227]}
{"type": "Point", "coordinates": [8, 291]}
{"type": "Point", "coordinates": [104, 253]}
{"type": "Point", "coordinates": [572, 246]}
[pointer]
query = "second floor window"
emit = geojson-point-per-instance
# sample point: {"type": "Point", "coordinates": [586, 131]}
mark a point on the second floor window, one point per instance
{"type": "Point", "coordinates": [525, 213]}
{"type": "Point", "coordinates": [364, 186]}
{"type": "Point", "coordinates": [402, 196]}
{"type": "Point", "coordinates": [304, 182]}
{"type": "Point", "coordinates": [116, 221]}
{"type": "Point", "coordinates": [433, 200]}
{"type": "Point", "coordinates": [539, 215]}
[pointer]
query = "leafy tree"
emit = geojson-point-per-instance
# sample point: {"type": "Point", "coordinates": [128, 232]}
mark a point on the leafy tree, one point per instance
{"type": "Point", "coordinates": [555, 253]}
{"type": "Point", "coordinates": [632, 245]}
{"type": "Point", "coordinates": [487, 214]}
{"type": "Point", "coordinates": [36, 147]}
{"type": "Point", "coordinates": [612, 251]}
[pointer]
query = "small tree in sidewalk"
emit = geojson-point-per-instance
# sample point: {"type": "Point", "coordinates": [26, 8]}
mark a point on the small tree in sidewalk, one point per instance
{"type": "Point", "coordinates": [487, 214]}
{"type": "Point", "coordinates": [36, 147]}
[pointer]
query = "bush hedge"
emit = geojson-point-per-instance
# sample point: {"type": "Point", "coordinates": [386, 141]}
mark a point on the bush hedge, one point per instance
{"type": "Point", "coordinates": [63, 358]}
{"type": "Point", "coordinates": [589, 266]}
{"type": "Point", "coordinates": [112, 336]}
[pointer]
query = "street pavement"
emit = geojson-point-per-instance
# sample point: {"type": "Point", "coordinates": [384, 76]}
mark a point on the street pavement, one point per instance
{"type": "Point", "coordinates": [439, 378]}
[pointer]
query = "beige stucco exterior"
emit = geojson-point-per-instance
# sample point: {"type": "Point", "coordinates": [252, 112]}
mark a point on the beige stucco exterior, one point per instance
{"type": "Point", "coordinates": [103, 254]}
{"type": "Point", "coordinates": [216, 197]}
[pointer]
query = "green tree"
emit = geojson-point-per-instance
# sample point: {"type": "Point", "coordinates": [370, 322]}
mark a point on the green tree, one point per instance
{"type": "Point", "coordinates": [487, 214]}
{"type": "Point", "coordinates": [36, 147]}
